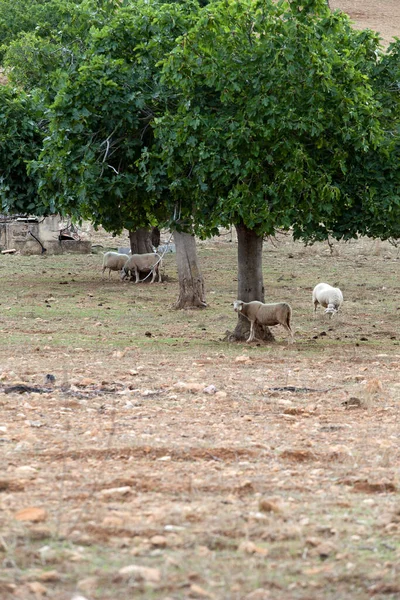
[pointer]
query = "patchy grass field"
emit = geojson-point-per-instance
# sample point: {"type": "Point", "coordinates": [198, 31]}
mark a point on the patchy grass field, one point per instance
{"type": "Point", "coordinates": [125, 479]}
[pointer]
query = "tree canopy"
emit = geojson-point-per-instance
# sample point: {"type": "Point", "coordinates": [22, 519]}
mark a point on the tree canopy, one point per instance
{"type": "Point", "coordinates": [21, 137]}
{"type": "Point", "coordinates": [267, 114]}
{"type": "Point", "coordinates": [102, 119]}
{"type": "Point", "coordinates": [281, 121]}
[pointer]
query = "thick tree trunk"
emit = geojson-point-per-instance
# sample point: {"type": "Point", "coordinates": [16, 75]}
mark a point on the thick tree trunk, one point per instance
{"type": "Point", "coordinates": [250, 281]}
{"type": "Point", "coordinates": [191, 282]}
{"type": "Point", "coordinates": [140, 241]}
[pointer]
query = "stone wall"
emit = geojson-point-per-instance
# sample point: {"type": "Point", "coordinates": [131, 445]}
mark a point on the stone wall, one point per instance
{"type": "Point", "coordinates": [36, 236]}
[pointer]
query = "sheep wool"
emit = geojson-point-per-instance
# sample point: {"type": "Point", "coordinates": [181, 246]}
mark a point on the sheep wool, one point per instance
{"type": "Point", "coordinates": [150, 262]}
{"type": "Point", "coordinates": [329, 297]}
{"type": "Point", "coordinates": [113, 261]}
{"type": "Point", "coordinates": [265, 314]}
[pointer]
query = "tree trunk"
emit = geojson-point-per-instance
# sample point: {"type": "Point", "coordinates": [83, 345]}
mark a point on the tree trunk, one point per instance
{"type": "Point", "coordinates": [250, 281]}
{"type": "Point", "coordinates": [155, 237]}
{"type": "Point", "coordinates": [140, 241]}
{"type": "Point", "coordinates": [191, 282]}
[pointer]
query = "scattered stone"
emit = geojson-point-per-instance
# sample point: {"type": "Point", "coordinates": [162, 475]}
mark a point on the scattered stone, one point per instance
{"type": "Point", "coordinates": [33, 514]}
{"type": "Point", "coordinates": [352, 403]}
{"type": "Point", "coordinates": [268, 506]}
{"type": "Point", "coordinates": [37, 588]}
{"type": "Point", "coordinates": [367, 487]}
{"type": "Point", "coordinates": [243, 359]}
{"type": "Point", "coordinates": [49, 379]}
{"type": "Point", "coordinates": [324, 550]}
{"type": "Point", "coordinates": [199, 591]}
{"type": "Point", "coordinates": [298, 455]}
{"type": "Point", "coordinates": [259, 594]}
{"type": "Point", "coordinates": [250, 548]}
{"type": "Point", "coordinates": [159, 540]}
{"type": "Point", "coordinates": [26, 471]}
{"type": "Point", "coordinates": [148, 574]}
{"type": "Point", "coordinates": [49, 576]}
{"type": "Point", "coordinates": [210, 389]}
{"type": "Point", "coordinates": [114, 493]}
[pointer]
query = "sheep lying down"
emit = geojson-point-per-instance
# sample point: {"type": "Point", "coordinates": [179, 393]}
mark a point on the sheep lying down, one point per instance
{"type": "Point", "coordinates": [265, 314]}
{"type": "Point", "coordinates": [327, 296]}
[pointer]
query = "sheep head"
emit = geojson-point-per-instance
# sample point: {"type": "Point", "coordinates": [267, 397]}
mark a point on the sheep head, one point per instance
{"type": "Point", "coordinates": [238, 306]}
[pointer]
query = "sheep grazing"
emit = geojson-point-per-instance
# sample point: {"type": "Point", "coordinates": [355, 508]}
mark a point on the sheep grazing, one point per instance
{"type": "Point", "coordinates": [327, 296]}
{"type": "Point", "coordinates": [142, 262]}
{"type": "Point", "coordinates": [113, 261]}
{"type": "Point", "coordinates": [265, 314]}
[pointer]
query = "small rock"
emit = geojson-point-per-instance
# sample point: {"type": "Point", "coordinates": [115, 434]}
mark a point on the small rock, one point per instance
{"type": "Point", "coordinates": [251, 548]}
{"type": "Point", "coordinates": [243, 359]}
{"type": "Point", "coordinates": [199, 591]}
{"type": "Point", "coordinates": [148, 574]}
{"type": "Point", "coordinates": [158, 540]}
{"type": "Point", "coordinates": [210, 389]}
{"type": "Point", "coordinates": [33, 514]}
{"type": "Point", "coordinates": [26, 471]}
{"type": "Point", "coordinates": [49, 576]}
{"type": "Point", "coordinates": [259, 594]}
{"type": "Point", "coordinates": [37, 588]}
{"type": "Point", "coordinates": [267, 506]}
{"type": "Point", "coordinates": [115, 492]}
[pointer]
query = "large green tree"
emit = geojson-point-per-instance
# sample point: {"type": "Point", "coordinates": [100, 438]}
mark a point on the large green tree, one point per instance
{"type": "Point", "coordinates": [101, 123]}
{"type": "Point", "coordinates": [286, 117]}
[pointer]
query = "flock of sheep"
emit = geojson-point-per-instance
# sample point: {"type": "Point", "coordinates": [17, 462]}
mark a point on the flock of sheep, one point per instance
{"type": "Point", "coordinates": [280, 313]}
{"type": "Point", "coordinates": [130, 265]}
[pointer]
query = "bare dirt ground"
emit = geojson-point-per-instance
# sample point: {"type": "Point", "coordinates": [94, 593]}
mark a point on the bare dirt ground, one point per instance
{"type": "Point", "coordinates": [124, 478]}
{"type": "Point", "coordinates": [380, 15]}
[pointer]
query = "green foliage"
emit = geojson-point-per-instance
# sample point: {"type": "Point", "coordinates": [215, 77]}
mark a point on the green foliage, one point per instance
{"type": "Point", "coordinates": [50, 39]}
{"type": "Point", "coordinates": [280, 122]}
{"type": "Point", "coordinates": [20, 142]}
{"type": "Point", "coordinates": [102, 116]}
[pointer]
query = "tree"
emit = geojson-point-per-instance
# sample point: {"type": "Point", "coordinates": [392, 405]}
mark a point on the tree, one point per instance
{"type": "Point", "coordinates": [279, 123]}
{"type": "Point", "coordinates": [101, 123]}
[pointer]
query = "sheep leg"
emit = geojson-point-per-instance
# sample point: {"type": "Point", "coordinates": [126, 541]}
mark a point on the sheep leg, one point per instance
{"type": "Point", "coordinates": [252, 335]}
{"type": "Point", "coordinates": [315, 307]}
{"type": "Point", "coordinates": [154, 275]}
{"type": "Point", "coordinates": [289, 329]}
{"type": "Point", "coordinates": [136, 274]}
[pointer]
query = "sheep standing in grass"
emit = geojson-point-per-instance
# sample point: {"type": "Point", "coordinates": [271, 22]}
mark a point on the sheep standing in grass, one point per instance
{"type": "Point", "coordinates": [113, 261]}
{"type": "Point", "coordinates": [150, 262]}
{"type": "Point", "coordinates": [265, 314]}
{"type": "Point", "coordinates": [327, 296]}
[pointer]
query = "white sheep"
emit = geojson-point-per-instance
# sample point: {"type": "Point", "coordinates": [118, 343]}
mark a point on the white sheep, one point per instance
{"type": "Point", "coordinates": [327, 296]}
{"type": "Point", "coordinates": [265, 314]}
{"type": "Point", "coordinates": [142, 262]}
{"type": "Point", "coordinates": [113, 261]}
